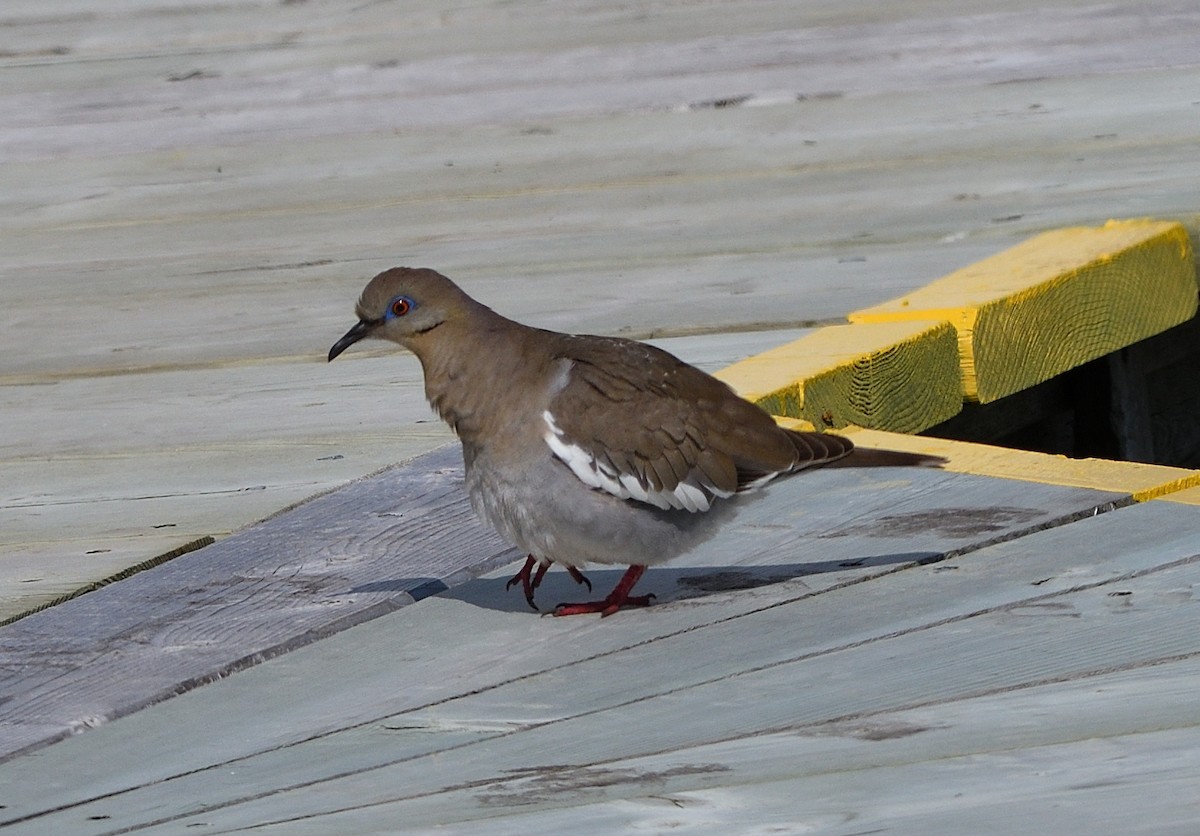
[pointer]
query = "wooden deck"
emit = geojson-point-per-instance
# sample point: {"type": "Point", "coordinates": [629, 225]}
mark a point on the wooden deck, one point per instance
{"type": "Point", "coordinates": [811, 666]}
{"type": "Point", "coordinates": [193, 199]}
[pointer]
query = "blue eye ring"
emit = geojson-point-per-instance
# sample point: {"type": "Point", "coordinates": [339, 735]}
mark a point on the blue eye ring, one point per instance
{"type": "Point", "coordinates": [399, 307]}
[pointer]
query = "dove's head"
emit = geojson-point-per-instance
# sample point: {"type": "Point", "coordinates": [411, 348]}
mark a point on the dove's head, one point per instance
{"type": "Point", "coordinates": [406, 305]}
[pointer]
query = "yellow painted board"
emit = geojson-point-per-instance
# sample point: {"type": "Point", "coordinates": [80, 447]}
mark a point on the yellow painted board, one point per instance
{"type": "Point", "coordinates": [1141, 481]}
{"type": "Point", "coordinates": [1055, 301]}
{"type": "Point", "coordinates": [900, 376]}
{"type": "Point", "coordinates": [1187, 496]}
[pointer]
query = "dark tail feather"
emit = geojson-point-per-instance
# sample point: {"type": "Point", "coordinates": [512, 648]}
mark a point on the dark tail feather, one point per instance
{"type": "Point", "coordinates": [818, 448]}
{"type": "Point", "coordinates": [864, 457]}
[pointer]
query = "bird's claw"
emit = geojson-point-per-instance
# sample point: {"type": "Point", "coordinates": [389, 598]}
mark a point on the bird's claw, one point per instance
{"type": "Point", "coordinates": [531, 580]}
{"type": "Point", "coordinates": [616, 599]}
{"type": "Point", "coordinates": [606, 607]}
{"type": "Point", "coordinates": [528, 579]}
{"type": "Point", "coordinates": [579, 577]}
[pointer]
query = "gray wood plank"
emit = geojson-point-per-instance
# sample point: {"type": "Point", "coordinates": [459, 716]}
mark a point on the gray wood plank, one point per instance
{"type": "Point", "coordinates": [559, 204]}
{"type": "Point", "coordinates": [1016, 615]}
{"type": "Point", "coordinates": [1118, 752]}
{"type": "Point", "coordinates": [334, 561]}
{"type": "Point", "coordinates": [561, 77]}
{"type": "Point", "coordinates": [354, 554]}
{"type": "Point", "coordinates": [683, 199]}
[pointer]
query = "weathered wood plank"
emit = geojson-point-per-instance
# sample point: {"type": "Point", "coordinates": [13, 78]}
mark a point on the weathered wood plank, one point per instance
{"type": "Point", "coordinates": [559, 204]}
{"type": "Point", "coordinates": [964, 761]}
{"type": "Point", "coordinates": [390, 85]}
{"type": "Point", "coordinates": [370, 547]}
{"type": "Point", "coordinates": [1084, 757]}
{"type": "Point", "coordinates": [746, 704]}
{"type": "Point", "coordinates": [338, 559]}
{"type": "Point", "coordinates": [1014, 615]}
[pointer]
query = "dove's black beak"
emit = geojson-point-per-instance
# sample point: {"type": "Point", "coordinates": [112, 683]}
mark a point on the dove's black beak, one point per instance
{"type": "Point", "coordinates": [362, 329]}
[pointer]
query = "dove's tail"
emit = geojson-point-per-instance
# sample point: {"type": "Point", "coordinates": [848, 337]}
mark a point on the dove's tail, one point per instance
{"type": "Point", "coordinates": [865, 457]}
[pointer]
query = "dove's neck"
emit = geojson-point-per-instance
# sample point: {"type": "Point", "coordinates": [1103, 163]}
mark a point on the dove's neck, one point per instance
{"type": "Point", "coordinates": [481, 367]}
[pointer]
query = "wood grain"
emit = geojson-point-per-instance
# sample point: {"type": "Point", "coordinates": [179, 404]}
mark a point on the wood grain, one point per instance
{"type": "Point", "coordinates": [1056, 301]}
{"type": "Point", "coordinates": [901, 377]}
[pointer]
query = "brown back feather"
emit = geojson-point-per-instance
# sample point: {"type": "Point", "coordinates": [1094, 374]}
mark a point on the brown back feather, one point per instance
{"type": "Point", "coordinates": [664, 420]}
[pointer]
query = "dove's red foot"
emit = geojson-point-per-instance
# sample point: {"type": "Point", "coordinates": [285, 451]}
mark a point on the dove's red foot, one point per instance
{"type": "Point", "coordinates": [616, 599]}
{"type": "Point", "coordinates": [531, 580]}
{"type": "Point", "coordinates": [528, 579]}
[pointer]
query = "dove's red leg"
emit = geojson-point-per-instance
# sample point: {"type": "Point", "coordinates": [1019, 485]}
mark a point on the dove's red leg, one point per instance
{"type": "Point", "coordinates": [579, 577]}
{"type": "Point", "coordinates": [616, 599]}
{"type": "Point", "coordinates": [528, 579]}
{"type": "Point", "coordinates": [531, 580]}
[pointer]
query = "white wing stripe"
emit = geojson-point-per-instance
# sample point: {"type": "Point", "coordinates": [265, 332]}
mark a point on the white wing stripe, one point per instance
{"type": "Point", "coordinates": [689, 495]}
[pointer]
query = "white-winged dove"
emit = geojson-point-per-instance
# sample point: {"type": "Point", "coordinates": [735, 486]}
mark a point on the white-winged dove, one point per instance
{"type": "Point", "coordinates": [585, 449]}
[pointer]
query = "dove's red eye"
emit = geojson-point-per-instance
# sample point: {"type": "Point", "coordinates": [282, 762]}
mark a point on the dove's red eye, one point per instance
{"type": "Point", "coordinates": [401, 305]}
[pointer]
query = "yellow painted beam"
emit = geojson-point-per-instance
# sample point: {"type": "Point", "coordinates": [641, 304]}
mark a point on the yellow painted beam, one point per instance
{"type": "Point", "coordinates": [1055, 301]}
{"type": "Point", "coordinates": [1187, 496]}
{"type": "Point", "coordinates": [1141, 481]}
{"type": "Point", "coordinates": [901, 376]}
